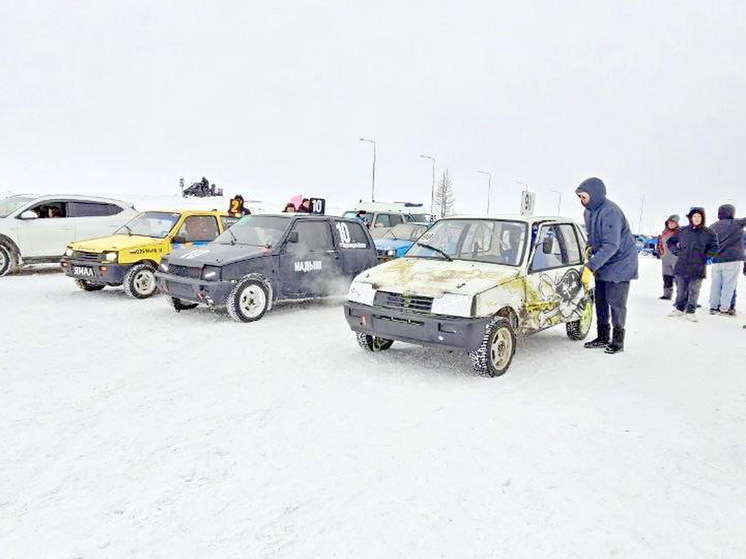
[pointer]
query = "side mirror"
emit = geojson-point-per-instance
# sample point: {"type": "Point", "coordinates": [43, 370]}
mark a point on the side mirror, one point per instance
{"type": "Point", "coordinates": [293, 237]}
{"type": "Point", "coordinates": [29, 214]}
{"type": "Point", "coordinates": [547, 245]}
{"type": "Point", "coordinates": [179, 240]}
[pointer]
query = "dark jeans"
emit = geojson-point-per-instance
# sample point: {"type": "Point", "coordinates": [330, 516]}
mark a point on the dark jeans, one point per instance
{"type": "Point", "coordinates": [687, 293]}
{"type": "Point", "coordinates": [611, 302]}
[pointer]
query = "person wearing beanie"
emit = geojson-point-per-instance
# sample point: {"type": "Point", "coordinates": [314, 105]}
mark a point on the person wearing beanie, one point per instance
{"type": "Point", "coordinates": [692, 245]}
{"type": "Point", "coordinates": [727, 262]}
{"type": "Point", "coordinates": [668, 258]}
{"type": "Point", "coordinates": [613, 262]}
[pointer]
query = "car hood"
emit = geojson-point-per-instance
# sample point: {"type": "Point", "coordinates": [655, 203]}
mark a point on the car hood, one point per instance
{"type": "Point", "coordinates": [214, 254]}
{"type": "Point", "coordinates": [392, 244]}
{"type": "Point", "coordinates": [433, 277]}
{"type": "Point", "coordinates": [115, 243]}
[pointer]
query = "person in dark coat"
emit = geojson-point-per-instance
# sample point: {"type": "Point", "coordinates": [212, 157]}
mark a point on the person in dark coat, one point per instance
{"type": "Point", "coordinates": [668, 258]}
{"type": "Point", "coordinates": [305, 206]}
{"type": "Point", "coordinates": [613, 262]}
{"type": "Point", "coordinates": [692, 245]}
{"type": "Point", "coordinates": [727, 263]}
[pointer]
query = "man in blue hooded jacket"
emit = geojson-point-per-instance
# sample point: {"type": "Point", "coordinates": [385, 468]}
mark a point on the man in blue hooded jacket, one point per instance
{"type": "Point", "coordinates": [613, 262]}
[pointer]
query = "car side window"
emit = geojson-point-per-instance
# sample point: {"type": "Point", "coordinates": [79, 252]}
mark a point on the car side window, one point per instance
{"type": "Point", "coordinates": [396, 219]}
{"type": "Point", "coordinates": [92, 209]}
{"type": "Point", "coordinates": [351, 235]}
{"type": "Point", "coordinates": [51, 209]}
{"type": "Point", "coordinates": [382, 220]}
{"type": "Point", "coordinates": [549, 251]}
{"type": "Point", "coordinates": [570, 240]}
{"type": "Point", "coordinates": [198, 228]}
{"type": "Point", "coordinates": [313, 236]}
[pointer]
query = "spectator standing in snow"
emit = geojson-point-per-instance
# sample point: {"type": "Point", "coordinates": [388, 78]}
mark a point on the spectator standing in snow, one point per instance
{"type": "Point", "coordinates": [727, 262]}
{"type": "Point", "coordinates": [692, 245]}
{"type": "Point", "coordinates": [668, 258]}
{"type": "Point", "coordinates": [305, 206]}
{"type": "Point", "coordinates": [613, 262]}
{"type": "Point", "coordinates": [289, 208]}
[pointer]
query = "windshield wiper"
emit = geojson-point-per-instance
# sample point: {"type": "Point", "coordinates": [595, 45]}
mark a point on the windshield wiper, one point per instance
{"type": "Point", "coordinates": [435, 249]}
{"type": "Point", "coordinates": [234, 240]}
{"type": "Point", "coordinates": [127, 227]}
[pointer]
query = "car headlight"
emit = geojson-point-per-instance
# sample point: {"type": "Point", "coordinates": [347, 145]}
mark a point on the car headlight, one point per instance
{"type": "Point", "coordinates": [68, 251]}
{"type": "Point", "coordinates": [110, 257]}
{"type": "Point", "coordinates": [361, 292]}
{"type": "Point", "coordinates": [391, 253]}
{"type": "Point", "coordinates": [163, 267]}
{"type": "Point", "coordinates": [452, 304]}
{"type": "Point", "coordinates": [211, 273]}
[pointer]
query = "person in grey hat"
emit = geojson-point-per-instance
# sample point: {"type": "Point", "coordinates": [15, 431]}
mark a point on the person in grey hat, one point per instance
{"type": "Point", "coordinates": [668, 258]}
{"type": "Point", "coordinates": [728, 261]}
{"type": "Point", "coordinates": [613, 262]}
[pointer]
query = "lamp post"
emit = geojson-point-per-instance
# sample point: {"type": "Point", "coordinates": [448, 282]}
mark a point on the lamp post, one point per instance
{"type": "Point", "coordinates": [432, 188]}
{"type": "Point", "coordinates": [489, 187]}
{"type": "Point", "coordinates": [559, 201]}
{"type": "Point", "coordinates": [373, 186]}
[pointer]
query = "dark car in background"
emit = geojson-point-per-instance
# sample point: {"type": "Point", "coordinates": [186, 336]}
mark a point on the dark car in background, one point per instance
{"type": "Point", "coordinates": [263, 259]}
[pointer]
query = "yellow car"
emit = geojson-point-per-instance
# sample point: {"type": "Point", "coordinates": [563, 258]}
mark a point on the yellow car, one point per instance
{"type": "Point", "coordinates": [131, 256]}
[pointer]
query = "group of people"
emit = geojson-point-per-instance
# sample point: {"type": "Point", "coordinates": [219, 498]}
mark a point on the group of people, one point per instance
{"type": "Point", "coordinates": [685, 253]}
{"type": "Point", "coordinates": [303, 208]}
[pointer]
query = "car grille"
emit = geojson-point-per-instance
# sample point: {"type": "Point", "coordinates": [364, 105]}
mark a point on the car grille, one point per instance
{"type": "Point", "coordinates": [185, 271]}
{"type": "Point", "coordinates": [399, 302]}
{"type": "Point", "coordinates": [86, 256]}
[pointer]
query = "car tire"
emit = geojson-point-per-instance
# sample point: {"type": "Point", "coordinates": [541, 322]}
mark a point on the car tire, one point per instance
{"type": "Point", "coordinates": [86, 285]}
{"type": "Point", "coordinates": [139, 281]}
{"type": "Point", "coordinates": [494, 356]}
{"type": "Point", "coordinates": [373, 343]}
{"type": "Point", "coordinates": [248, 300]}
{"type": "Point", "coordinates": [578, 329]}
{"type": "Point", "coordinates": [8, 260]}
{"type": "Point", "coordinates": [179, 305]}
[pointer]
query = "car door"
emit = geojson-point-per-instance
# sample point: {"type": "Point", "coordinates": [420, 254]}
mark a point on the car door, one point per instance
{"type": "Point", "coordinates": [309, 261]}
{"type": "Point", "coordinates": [49, 233]}
{"type": "Point", "coordinates": [92, 219]}
{"type": "Point", "coordinates": [356, 249]}
{"type": "Point", "coordinates": [553, 287]}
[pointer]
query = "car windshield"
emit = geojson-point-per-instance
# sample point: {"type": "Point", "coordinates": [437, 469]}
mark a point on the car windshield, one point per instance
{"type": "Point", "coordinates": [255, 230]}
{"type": "Point", "coordinates": [150, 224]}
{"type": "Point", "coordinates": [479, 240]}
{"type": "Point", "coordinates": [406, 231]}
{"type": "Point", "coordinates": [9, 205]}
{"type": "Point", "coordinates": [420, 218]}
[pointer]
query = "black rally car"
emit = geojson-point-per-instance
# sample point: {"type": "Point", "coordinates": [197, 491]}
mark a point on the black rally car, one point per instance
{"type": "Point", "coordinates": [267, 258]}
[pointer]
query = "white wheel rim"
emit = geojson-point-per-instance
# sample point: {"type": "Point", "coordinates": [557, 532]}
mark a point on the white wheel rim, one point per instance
{"type": "Point", "coordinates": [3, 259]}
{"type": "Point", "coordinates": [501, 349]}
{"type": "Point", "coordinates": [144, 282]}
{"type": "Point", "coordinates": [252, 301]}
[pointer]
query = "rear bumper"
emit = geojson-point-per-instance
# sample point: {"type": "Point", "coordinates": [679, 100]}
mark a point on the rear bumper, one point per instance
{"type": "Point", "coordinates": [213, 293]}
{"type": "Point", "coordinates": [109, 274]}
{"type": "Point", "coordinates": [421, 329]}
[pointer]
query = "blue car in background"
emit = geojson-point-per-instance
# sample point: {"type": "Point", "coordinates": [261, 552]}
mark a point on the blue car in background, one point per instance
{"type": "Point", "coordinates": [398, 239]}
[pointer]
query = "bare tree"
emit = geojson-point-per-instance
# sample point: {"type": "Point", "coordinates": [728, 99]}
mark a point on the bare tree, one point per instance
{"type": "Point", "coordinates": [444, 197]}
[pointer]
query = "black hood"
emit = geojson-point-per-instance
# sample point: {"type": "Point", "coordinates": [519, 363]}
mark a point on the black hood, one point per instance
{"type": "Point", "coordinates": [215, 254]}
{"type": "Point", "coordinates": [727, 211]}
{"type": "Point", "coordinates": [700, 211]}
{"type": "Point", "coordinates": [596, 189]}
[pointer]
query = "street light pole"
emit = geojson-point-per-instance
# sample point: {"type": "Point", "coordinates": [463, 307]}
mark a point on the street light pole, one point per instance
{"type": "Point", "coordinates": [489, 188]}
{"type": "Point", "coordinates": [559, 202]}
{"type": "Point", "coordinates": [432, 188]}
{"type": "Point", "coordinates": [373, 186]}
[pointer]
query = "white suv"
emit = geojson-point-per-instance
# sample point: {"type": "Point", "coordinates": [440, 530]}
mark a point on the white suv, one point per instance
{"type": "Point", "coordinates": [36, 229]}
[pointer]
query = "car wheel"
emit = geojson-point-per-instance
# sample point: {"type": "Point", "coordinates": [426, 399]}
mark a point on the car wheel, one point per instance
{"type": "Point", "coordinates": [248, 301]}
{"type": "Point", "coordinates": [179, 305]}
{"type": "Point", "coordinates": [495, 355]}
{"type": "Point", "coordinates": [578, 329]}
{"type": "Point", "coordinates": [373, 343]}
{"type": "Point", "coordinates": [139, 281]}
{"type": "Point", "coordinates": [86, 285]}
{"type": "Point", "coordinates": [8, 260]}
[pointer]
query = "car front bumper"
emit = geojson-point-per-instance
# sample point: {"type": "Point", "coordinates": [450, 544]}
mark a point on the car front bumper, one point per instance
{"type": "Point", "coordinates": [94, 272]}
{"type": "Point", "coordinates": [213, 293]}
{"type": "Point", "coordinates": [414, 328]}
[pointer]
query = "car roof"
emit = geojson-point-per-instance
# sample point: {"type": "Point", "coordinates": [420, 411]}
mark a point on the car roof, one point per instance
{"type": "Point", "coordinates": [189, 212]}
{"type": "Point", "coordinates": [514, 217]}
{"type": "Point", "coordinates": [75, 197]}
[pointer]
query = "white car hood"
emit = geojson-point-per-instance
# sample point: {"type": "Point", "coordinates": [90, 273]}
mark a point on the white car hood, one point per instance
{"type": "Point", "coordinates": [431, 277]}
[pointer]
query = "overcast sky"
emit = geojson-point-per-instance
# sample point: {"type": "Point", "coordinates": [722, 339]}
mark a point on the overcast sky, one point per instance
{"type": "Point", "coordinates": [269, 99]}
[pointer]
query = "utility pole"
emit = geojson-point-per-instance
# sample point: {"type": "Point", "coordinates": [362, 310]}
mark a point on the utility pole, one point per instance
{"type": "Point", "coordinates": [559, 202]}
{"type": "Point", "coordinates": [489, 187]}
{"type": "Point", "coordinates": [432, 188]}
{"type": "Point", "coordinates": [373, 186]}
{"type": "Point", "coordinates": [642, 208]}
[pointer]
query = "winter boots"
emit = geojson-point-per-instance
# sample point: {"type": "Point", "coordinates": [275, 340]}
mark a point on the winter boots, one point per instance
{"type": "Point", "coordinates": [667, 294]}
{"type": "Point", "coordinates": [602, 340]}
{"type": "Point", "coordinates": [617, 341]}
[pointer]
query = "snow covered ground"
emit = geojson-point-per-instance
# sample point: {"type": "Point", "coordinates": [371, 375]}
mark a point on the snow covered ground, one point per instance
{"type": "Point", "coordinates": [131, 431]}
